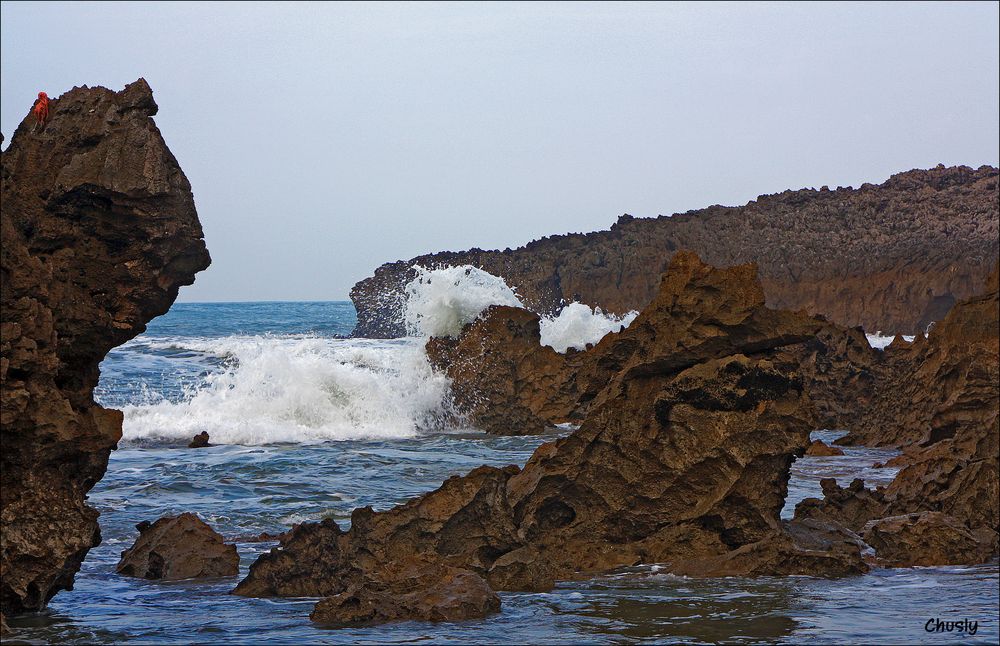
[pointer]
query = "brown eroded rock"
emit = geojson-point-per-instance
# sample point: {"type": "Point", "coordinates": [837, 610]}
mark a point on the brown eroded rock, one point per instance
{"type": "Point", "coordinates": [852, 506]}
{"type": "Point", "coordinates": [199, 441]}
{"type": "Point", "coordinates": [937, 397]}
{"type": "Point", "coordinates": [683, 458]}
{"type": "Point", "coordinates": [506, 381]}
{"type": "Point", "coordinates": [840, 368]}
{"type": "Point", "coordinates": [940, 387]}
{"type": "Point", "coordinates": [935, 231]}
{"type": "Point", "coordinates": [950, 407]}
{"type": "Point", "coordinates": [419, 591]}
{"type": "Point", "coordinates": [99, 231]}
{"type": "Point", "coordinates": [178, 547]}
{"type": "Point", "coordinates": [926, 538]}
{"type": "Point", "coordinates": [821, 449]}
{"type": "Point", "coordinates": [503, 378]}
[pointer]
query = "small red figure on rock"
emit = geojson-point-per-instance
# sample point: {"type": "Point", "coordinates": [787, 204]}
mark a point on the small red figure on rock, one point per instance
{"type": "Point", "coordinates": [41, 110]}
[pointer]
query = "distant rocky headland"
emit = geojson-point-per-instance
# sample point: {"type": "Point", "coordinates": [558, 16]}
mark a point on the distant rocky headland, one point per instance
{"type": "Point", "coordinates": [893, 257]}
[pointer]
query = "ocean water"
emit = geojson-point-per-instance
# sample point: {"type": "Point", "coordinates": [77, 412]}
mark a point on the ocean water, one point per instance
{"type": "Point", "coordinates": [310, 424]}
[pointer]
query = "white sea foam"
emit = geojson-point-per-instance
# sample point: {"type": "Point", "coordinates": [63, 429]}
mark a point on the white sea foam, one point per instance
{"type": "Point", "coordinates": [440, 301]}
{"type": "Point", "coordinates": [281, 389]}
{"type": "Point", "coordinates": [881, 341]}
{"type": "Point", "coordinates": [577, 325]}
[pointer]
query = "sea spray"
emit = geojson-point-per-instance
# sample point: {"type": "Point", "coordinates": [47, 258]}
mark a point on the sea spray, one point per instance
{"type": "Point", "coordinates": [292, 389]}
{"type": "Point", "coordinates": [577, 325]}
{"type": "Point", "coordinates": [880, 341]}
{"type": "Point", "coordinates": [299, 388]}
{"type": "Point", "coordinates": [440, 301]}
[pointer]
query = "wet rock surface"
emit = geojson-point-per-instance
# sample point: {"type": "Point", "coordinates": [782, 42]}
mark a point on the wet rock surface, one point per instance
{"type": "Point", "coordinates": [925, 538]}
{"type": "Point", "coordinates": [420, 591]}
{"type": "Point", "coordinates": [893, 257]}
{"type": "Point", "coordinates": [99, 231]}
{"type": "Point", "coordinates": [852, 506]}
{"type": "Point", "coordinates": [178, 547]}
{"type": "Point", "coordinates": [683, 459]}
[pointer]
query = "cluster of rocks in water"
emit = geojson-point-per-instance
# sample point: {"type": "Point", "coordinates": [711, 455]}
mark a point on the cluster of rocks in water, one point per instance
{"type": "Point", "coordinates": [688, 421]}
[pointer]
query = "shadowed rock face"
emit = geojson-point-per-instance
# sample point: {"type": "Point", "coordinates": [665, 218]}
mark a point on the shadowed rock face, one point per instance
{"type": "Point", "coordinates": [683, 459]}
{"type": "Point", "coordinates": [99, 231]}
{"type": "Point", "coordinates": [891, 257]}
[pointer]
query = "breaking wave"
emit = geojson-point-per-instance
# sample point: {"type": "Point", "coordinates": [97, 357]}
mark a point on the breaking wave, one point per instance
{"type": "Point", "coordinates": [440, 301]}
{"type": "Point", "coordinates": [577, 325]}
{"type": "Point", "coordinates": [291, 389]}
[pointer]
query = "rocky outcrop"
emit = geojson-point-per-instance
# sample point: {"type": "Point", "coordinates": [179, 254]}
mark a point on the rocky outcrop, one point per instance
{"type": "Point", "coordinates": [502, 378]}
{"type": "Point", "coordinates": [925, 538]}
{"type": "Point", "coordinates": [941, 386]}
{"type": "Point", "coordinates": [178, 547]}
{"type": "Point", "coordinates": [199, 441]}
{"type": "Point", "coordinates": [99, 231]}
{"type": "Point", "coordinates": [851, 506]}
{"type": "Point", "coordinates": [891, 257]}
{"type": "Point", "coordinates": [683, 459]}
{"type": "Point", "coordinates": [939, 399]}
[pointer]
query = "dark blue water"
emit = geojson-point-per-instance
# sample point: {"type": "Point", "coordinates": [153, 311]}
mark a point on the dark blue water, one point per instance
{"type": "Point", "coordinates": [325, 424]}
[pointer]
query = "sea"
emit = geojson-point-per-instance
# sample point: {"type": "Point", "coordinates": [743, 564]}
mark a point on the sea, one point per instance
{"type": "Point", "coordinates": [307, 423]}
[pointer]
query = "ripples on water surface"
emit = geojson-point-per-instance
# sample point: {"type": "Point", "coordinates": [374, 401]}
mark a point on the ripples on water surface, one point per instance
{"type": "Point", "coordinates": [245, 490]}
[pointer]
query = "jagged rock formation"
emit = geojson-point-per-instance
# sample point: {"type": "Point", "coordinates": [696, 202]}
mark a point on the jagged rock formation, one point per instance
{"type": "Point", "coordinates": [937, 386]}
{"type": "Point", "coordinates": [683, 459]}
{"type": "Point", "coordinates": [178, 547]}
{"type": "Point", "coordinates": [890, 257]}
{"type": "Point", "coordinates": [925, 538]}
{"type": "Point", "coordinates": [507, 383]}
{"type": "Point", "coordinates": [939, 398]}
{"type": "Point", "coordinates": [99, 231]}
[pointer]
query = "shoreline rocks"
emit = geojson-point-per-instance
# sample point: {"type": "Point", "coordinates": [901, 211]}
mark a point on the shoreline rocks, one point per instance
{"type": "Point", "coordinates": [935, 231]}
{"type": "Point", "coordinates": [939, 400]}
{"type": "Point", "coordinates": [99, 231]}
{"type": "Point", "coordinates": [683, 459]}
{"type": "Point", "coordinates": [178, 547]}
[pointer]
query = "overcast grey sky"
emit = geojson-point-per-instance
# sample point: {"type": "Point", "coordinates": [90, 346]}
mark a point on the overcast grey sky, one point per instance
{"type": "Point", "coordinates": [325, 139]}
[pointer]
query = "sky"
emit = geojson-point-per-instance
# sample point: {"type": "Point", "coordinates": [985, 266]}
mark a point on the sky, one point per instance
{"type": "Point", "coordinates": [322, 140]}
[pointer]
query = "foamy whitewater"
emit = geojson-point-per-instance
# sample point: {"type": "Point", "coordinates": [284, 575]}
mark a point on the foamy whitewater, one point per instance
{"type": "Point", "coordinates": [881, 341]}
{"type": "Point", "coordinates": [303, 387]}
{"type": "Point", "coordinates": [440, 301]}
{"type": "Point", "coordinates": [286, 389]}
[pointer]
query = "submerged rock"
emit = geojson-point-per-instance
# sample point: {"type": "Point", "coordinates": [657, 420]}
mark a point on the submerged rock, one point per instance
{"type": "Point", "coordinates": [99, 231]}
{"type": "Point", "coordinates": [683, 459]}
{"type": "Point", "coordinates": [419, 591]}
{"type": "Point", "coordinates": [819, 448]}
{"type": "Point", "coordinates": [936, 231]}
{"type": "Point", "coordinates": [178, 547]}
{"type": "Point", "coordinates": [199, 441]}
